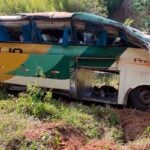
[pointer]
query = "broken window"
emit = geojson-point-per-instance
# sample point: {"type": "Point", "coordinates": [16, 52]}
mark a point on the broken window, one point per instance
{"type": "Point", "coordinates": [12, 30]}
{"type": "Point", "coordinates": [98, 84]}
{"type": "Point", "coordinates": [52, 31]}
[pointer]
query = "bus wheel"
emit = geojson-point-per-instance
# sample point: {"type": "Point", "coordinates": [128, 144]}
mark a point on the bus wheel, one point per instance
{"type": "Point", "coordinates": [140, 98]}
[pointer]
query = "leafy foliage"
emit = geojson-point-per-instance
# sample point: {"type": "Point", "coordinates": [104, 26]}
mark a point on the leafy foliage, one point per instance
{"type": "Point", "coordinates": [142, 9]}
{"type": "Point", "coordinates": [97, 7]}
{"type": "Point", "coordinates": [147, 131]}
{"type": "Point", "coordinates": [12, 7]}
{"type": "Point", "coordinates": [117, 134]}
{"type": "Point", "coordinates": [128, 22]}
{"type": "Point", "coordinates": [112, 5]}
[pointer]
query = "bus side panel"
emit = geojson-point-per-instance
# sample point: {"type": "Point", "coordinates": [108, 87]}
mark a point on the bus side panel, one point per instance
{"type": "Point", "coordinates": [47, 70]}
{"type": "Point", "coordinates": [134, 66]}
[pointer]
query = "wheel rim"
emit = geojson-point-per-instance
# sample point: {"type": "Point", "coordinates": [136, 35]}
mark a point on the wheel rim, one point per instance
{"type": "Point", "coordinates": [144, 97]}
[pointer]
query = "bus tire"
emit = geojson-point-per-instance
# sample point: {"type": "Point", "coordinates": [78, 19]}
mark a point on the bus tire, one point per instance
{"type": "Point", "coordinates": [139, 98]}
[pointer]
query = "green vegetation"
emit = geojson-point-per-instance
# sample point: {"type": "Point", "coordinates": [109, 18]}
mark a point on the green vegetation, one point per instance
{"type": "Point", "coordinates": [147, 131]}
{"type": "Point", "coordinates": [12, 7]}
{"type": "Point", "coordinates": [37, 107]}
{"type": "Point", "coordinates": [117, 134]}
{"type": "Point", "coordinates": [39, 104]}
{"type": "Point", "coordinates": [112, 5]}
{"type": "Point", "coordinates": [100, 7]}
{"type": "Point", "coordinates": [12, 124]}
{"type": "Point", "coordinates": [128, 22]}
{"type": "Point", "coordinates": [142, 9]}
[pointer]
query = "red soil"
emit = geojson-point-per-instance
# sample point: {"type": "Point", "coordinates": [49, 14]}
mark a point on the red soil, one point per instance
{"type": "Point", "coordinates": [100, 145]}
{"type": "Point", "coordinates": [133, 122]}
{"type": "Point", "coordinates": [70, 137]}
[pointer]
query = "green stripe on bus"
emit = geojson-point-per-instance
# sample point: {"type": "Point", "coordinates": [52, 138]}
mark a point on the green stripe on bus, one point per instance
{"type": "Point", "coordinates": [36, 61]}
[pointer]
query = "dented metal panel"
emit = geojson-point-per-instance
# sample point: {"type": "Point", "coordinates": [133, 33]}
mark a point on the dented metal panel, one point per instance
{"type": "Point", "coordinates": [54, 15]}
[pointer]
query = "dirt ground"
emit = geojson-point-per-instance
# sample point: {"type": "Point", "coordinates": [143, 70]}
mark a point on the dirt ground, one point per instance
{"type": "Point", "coordinates": [100, 145]}
{"type": "Point", "coordinates": [68, 138]}
{"type": "Point", "coordinates": [133, 123]}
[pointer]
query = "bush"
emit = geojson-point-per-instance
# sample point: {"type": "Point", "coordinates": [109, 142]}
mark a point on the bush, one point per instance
{"type": "Point", "coordinates": [7, 106]}
{"type": "Point", "coordinates": [113, 119]}
{"type": "Point", "coordinates": [32, 103]}
{"type": "Point", "coordinates": [117, 135]}
{"type": "Point", "coordinates": [24, 106]}
{"type": "Point", "coordinates": [39, 110]}
{"type": "Point", "coordinates": [45, 110]}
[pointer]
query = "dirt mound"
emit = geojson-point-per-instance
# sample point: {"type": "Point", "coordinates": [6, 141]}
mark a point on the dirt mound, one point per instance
{"type": "Point", "coordinates": [63, 137]}
{"type": "Point", "coordinates": [100, 145]}
{"type": "Point", "coordinates": [72, 139]}
{"type": "Point", "coordinates": [37, 131]}
{"type": "Point", "coordinates": [133, 122]}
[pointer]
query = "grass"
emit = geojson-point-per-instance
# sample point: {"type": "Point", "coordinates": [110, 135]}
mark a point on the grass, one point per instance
{"type": "Point", "coordinates": [95, 122]}
{"type": "Point", "coordinates": [15, 113]}
{"type": "Point", "coordinates": [12, 124]}
{"type": "Point", "coordinates": [69, 114]}
{"type": "Point", "coordinates": [85, 118]}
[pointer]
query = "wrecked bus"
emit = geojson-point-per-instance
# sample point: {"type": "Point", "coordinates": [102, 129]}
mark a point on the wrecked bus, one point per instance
{"type": "Point", "coordinates": [79, 54]}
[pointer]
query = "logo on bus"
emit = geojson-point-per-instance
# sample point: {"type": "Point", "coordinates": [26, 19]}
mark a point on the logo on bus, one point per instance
{"type": "Point", "coordinates": [140, 61]}
{"type": "Point", "coordinates": [13, 50]}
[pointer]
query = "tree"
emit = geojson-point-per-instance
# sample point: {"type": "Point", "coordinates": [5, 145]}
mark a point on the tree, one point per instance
{"type": "Point", "coordinates": [112, 5]}
{"type": "Point", "coordinates": [97, 7]}
{"type": "Point", "coordinates": [11, 7]}
{"type": "Point", "coordinates": [73, 5]}
{"type": "Point", "coordinates": [142, 8]}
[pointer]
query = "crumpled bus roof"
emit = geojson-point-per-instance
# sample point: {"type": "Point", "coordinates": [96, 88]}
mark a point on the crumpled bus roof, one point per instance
{"type": "Point", "coordinates": [137, 37]}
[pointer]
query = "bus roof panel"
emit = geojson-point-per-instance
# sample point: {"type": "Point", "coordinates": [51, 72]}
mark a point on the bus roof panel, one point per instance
{"type": "Point", "coordinates": [95, 19]}
{"type": "Point", "coordinates": [52, 15]}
